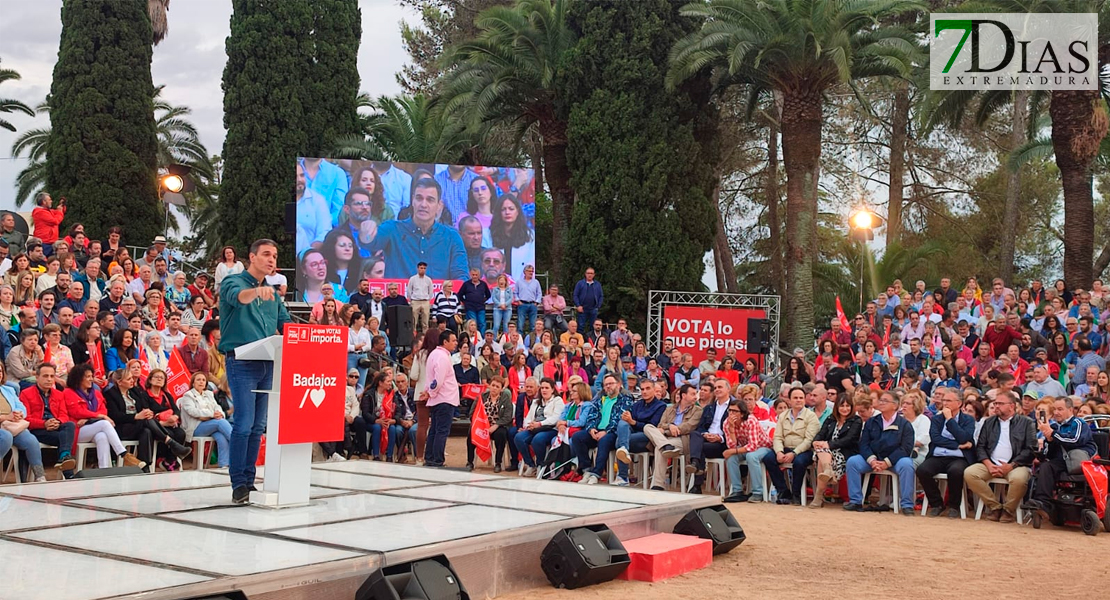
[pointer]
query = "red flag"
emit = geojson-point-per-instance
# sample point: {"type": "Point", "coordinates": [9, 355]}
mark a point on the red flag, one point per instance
{"type": "Point", "coordinates": [177, 376]}
{"type": "Point", "coordinates": [144, 368]}
{"type": "Point", "coordinates": [473, 391]}
{"type": "Point", "coordinates": [98, 362]}
{"type": "Point", "coordinates": [479, 431]}
{"type": "Point", "coordinates": [840, 315]}
{"type": "Point", "coordinates": [46, 356]}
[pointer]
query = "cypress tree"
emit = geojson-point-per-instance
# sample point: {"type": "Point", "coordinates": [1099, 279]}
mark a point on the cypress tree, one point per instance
{"type": "Point", "coordinates": [101, 153]}
{"type": "Point", "coordinates": [289, 89]}
{"type": "Point", "coordinates": [641, 158]}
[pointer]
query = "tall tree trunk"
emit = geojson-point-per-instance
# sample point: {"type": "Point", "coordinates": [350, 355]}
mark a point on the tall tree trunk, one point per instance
{"type": "Point", "coordinates": [726, 264]}
{"type": "Point", "coordinates": [1019, 122]}
{"type": "Point", "coordinates": [771, 191]}
{"type": "Point", "coordinates": [899, 123]}
{"type": "Point", "coordinates": [1078, 126]}
{"type": "Point", "coordinates": [801, 153]}
{"type": "Point", "coordinates": [557, 174]}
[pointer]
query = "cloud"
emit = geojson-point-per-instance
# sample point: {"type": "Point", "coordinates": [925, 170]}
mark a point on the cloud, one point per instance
{"type": "Point", "coordinates": [190, 62]}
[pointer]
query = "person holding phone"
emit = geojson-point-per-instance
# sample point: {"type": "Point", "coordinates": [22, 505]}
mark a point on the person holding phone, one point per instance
{"type": "Point", "coordinates": [1068, 444]}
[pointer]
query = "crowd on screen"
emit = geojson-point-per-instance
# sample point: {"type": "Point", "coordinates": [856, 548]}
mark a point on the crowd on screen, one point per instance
{"type": "Point", "coordinates": [977, 384]}
{"type": "Point", "coordinates": [376, 220]}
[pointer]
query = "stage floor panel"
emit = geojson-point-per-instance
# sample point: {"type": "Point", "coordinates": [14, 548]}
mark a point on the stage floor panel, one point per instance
{"type": "Point", "coordinates": [72, 576]}
{"type": "Point", "coordinates": [397, 532]}
{"type": "Point", "coordinates": [175, 535]}
{"type": "Point", "coordinates": [327, 510]}
{"type": "Point", "coordinates": [18, 513]}
{"type": "Point", "coordinates": [525, 501]}
{"type": "Point", "coordinates": [201, 549]}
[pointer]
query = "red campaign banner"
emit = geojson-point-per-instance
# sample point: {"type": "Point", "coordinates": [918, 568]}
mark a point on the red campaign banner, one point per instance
{"type": "Point", "coordinates": [479, 431]}
{"type": "Point", "coordinates": [473, 391]}
{"type": "Point", "coordinates": [313, 384]}
{"type": "Point", "coordinates": [696, 329]}
{"type": "Point", "coordinates": [177, 376]}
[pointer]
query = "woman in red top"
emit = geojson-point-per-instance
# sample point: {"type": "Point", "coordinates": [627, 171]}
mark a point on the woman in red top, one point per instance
{"type": "Point", "coordinates": [518, 372]}
{"type": "Point", "coordinates": [557, 368]}
{"type": "Point", "coordinates": [728, 372]}
{"type": "Point", "coordinates": [85, 407]}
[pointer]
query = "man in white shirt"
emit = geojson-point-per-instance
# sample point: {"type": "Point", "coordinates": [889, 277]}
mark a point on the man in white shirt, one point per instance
{"type": "Point", "coordinates": [138, 286]}
{"type": "Point", "coordinates": [420, 292]}
{"type": "Point", "coordinates": [173, 334]}
{"type": "Point", "coordinates": [710, 364]}
{"type": "Point", "coordinates": [1005, 449]}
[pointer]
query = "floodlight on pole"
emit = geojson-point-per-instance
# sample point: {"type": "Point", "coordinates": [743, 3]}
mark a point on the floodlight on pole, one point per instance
{"type": "Point", "coordinates": [173, 183]}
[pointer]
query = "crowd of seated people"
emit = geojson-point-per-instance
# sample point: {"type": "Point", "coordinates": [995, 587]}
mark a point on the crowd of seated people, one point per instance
{"type": "Point", "coordinates": [977, 385]}
{"type": "Point", "coordinates": [87, 336]}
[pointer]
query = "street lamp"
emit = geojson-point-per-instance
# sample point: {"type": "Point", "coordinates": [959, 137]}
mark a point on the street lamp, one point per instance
{"type": "Point", "coordinates": [861, 228]}
{"type": "Point", "coordinates": [173, 183]}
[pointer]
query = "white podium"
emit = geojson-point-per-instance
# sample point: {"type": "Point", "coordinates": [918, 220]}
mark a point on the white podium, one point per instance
{"type": "Point", "coordinates": [288, 467]}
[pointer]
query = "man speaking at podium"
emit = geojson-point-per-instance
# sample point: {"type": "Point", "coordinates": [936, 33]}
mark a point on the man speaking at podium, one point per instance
{"type": "Point", "coordinates": [250, 310]}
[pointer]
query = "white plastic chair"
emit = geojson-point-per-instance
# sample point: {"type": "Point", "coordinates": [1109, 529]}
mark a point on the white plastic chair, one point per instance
{"type": "Point", "coordinates": [1000, 492]}
{"type": "Point", "coordinates": [679, 462]}
{"type": "Point", "coordinates": [715, 474]}
{"type": "Point", "coordinates": [889, 478]}
{"type": "Point", "coordinates": [943, 478]}
{"type": "Point", "coordinates": [13, 466]}
{"type": "Point", "coordinates": [202, 451]}
{"type": "Point", "coordinates": [642, 460]}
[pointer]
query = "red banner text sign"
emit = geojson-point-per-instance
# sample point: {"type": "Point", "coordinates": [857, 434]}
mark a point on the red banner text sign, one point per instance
{"type": "Point", "coordinates": [696, 329]}
{"type": "Point", "coordinates": [313, 383]}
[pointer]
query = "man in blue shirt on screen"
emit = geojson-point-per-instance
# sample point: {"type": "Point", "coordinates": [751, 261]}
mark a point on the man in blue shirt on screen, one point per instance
{"type": "Point", "coordinates": [421, 238]}
{"type": "Point", "coordinates": [329, 181]}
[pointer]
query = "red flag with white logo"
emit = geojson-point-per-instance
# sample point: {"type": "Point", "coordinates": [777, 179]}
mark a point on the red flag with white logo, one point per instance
{"type": "Point", "coordinates": [479, 431]}
{"type": "Point", "coordinates": [841, 316]}
{"type": "Point", "coordinates": [177, 375]}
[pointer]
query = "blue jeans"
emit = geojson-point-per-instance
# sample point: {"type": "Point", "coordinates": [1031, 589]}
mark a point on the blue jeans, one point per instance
{"type": "Point", "coordinates": [352, 363]}
{"type": "Point", "coordinates": [797, 472]}
{"type": "Point", "coordinates": [857, 467]}
{"type": "Point", "coordinates": [397, 435]}
{"type": "Point", "coordinates": [539, 442]}
{"type": "Point", "coordinates": [479, 317]}
{"type": "Point", "coordinates": [250, 415]}
{"type": "Point", "coordinates": [501, 319]}
{"type": "Point", "coordinates": [754, 460]}
{"type": "Point", "coordinates": [582, 442]}
{"type": "Point", "coordinates": [219, 429]}
{"type": "Point", "coordinates": [440, 428]}
{"type": "Point", "coordinates": [376, 440]}
{"type": "Point", "coordinates": [637, 442]}
{"type": "Point", "coordinates": [586, 319]}
{"type": "Point", "coordinates": [525, 318]}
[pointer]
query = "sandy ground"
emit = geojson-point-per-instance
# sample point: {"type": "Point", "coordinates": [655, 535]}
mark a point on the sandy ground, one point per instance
{"type": "Point", "coordinates": [795, 552]}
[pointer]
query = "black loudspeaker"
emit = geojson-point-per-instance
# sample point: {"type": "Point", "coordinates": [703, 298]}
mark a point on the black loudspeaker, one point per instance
{"type": "Point", "coordinates": [583, 556]}
{"type": "Point", "coordinates": [291, 218]}
{"type": "Point", "coordinates": [759, 336]}
{"type": "Point", "coordinates": [109, 472]}
{"type": "Point", "coordinates": [714, 523]}
{"type": "Point", "coordinates": [427, 579]}
{"type": "Point", "coordinates": [223, 596]}
{"type": "Point", "coordinates": [399, 321]}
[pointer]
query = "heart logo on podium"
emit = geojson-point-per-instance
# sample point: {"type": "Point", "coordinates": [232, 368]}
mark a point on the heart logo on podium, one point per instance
{"type": "Point", "coordinates": [317, 396]}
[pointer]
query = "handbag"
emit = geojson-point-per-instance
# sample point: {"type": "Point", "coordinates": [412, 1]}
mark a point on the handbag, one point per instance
{"type": "Point", "coordinates": [16, 427]}
{"type": "Point", "coordinates": [165, 415]}
{"type": "Point", "coordinates": [1074, 460]}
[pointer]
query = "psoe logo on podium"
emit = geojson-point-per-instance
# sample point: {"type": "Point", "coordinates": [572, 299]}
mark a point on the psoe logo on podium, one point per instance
{"type": "Point", "coordinates": [313, 394]}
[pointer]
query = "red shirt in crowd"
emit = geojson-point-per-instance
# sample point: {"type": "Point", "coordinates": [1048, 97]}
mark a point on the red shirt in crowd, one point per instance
{"type": "Point", "coordinates": [47, 221]}
{"type": "Point", "coordinates": [1001, 340]}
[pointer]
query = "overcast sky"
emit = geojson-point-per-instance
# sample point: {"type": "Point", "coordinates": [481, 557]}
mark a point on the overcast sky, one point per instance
{"type": "Point", "coordinates": [190, 62]}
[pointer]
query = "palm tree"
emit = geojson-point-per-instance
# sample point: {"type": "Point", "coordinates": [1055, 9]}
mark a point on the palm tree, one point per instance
{"type": "Point", "coordinates": [8, 105]}
{"type": "Point", "coordinates": [799, 49]}
{"type": "Point", "coordinates": [508, 75]}
{"type": "Point", "coordinates": [178, 143]}
{"type": "Point", "coordinates": [405, 128]}
{"type": "Point", "coordinates": [159, 21]}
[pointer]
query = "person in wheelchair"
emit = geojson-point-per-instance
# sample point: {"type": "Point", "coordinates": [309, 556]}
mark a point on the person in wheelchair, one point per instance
{"type": "Point", "coordinates": [1068, 444]}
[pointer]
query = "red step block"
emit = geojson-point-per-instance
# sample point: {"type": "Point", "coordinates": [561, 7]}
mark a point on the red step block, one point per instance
{"type": "Point", "coordinates": [665, 555]}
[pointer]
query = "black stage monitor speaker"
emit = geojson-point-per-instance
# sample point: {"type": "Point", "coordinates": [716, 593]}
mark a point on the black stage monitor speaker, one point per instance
{"type": "Point", "coordinates": [290, 218]}
{"type": "Point", "coordinates": [759, 336]}
{"type": "Point", "coordinates": [583, 556]}
{"type": "Point", "coordinates": [109, 472]}
{"type": "Point", "coordinates": [426, 579]}
{"type": "Point", "coordinates": [223, 596]}
{"type": "Point", "coordinates": [399, 320]}
{"type": "Point", "coordinates": [713, 523]}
